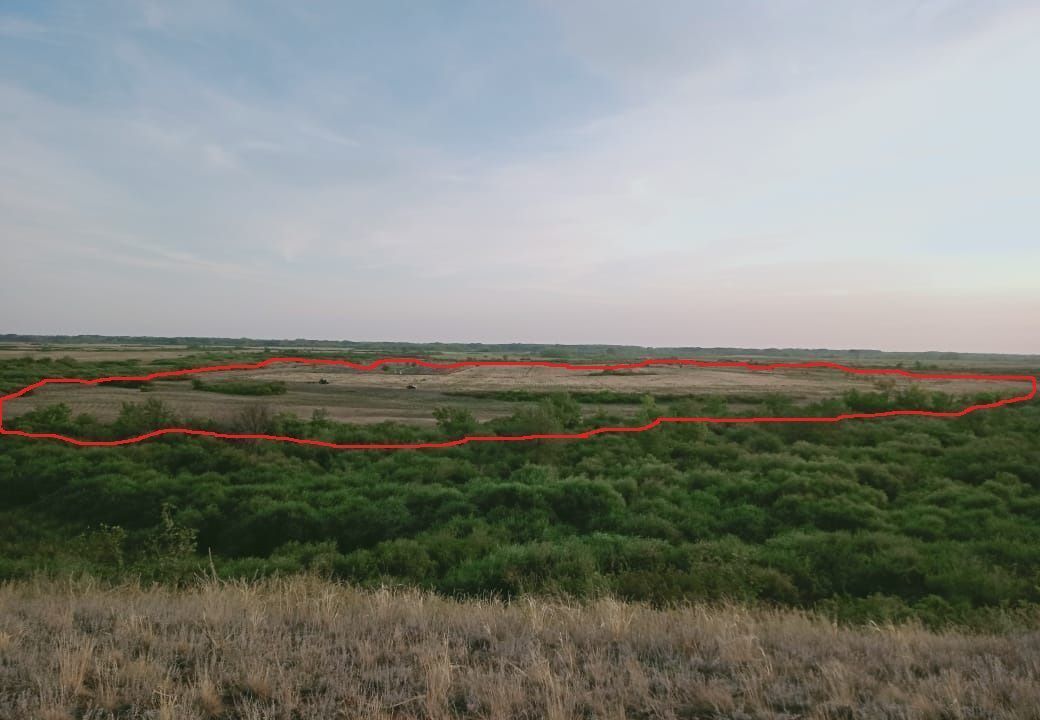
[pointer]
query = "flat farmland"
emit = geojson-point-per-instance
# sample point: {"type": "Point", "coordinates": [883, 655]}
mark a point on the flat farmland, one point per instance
{"type": "Point", "coordinates": [93, 353]}
{"type": "Point", "coordinates": [409, 394]}
{"type": "Point", "coordinates": [117, 351]}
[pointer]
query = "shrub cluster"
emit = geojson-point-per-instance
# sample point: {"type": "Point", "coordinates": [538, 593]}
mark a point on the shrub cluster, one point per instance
{"type": "Point", "coordinates": [240, 387]}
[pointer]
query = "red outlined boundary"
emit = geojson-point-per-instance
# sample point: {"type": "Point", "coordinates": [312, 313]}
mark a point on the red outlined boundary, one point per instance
{"type": "Point", "coordinates": [754, 367]}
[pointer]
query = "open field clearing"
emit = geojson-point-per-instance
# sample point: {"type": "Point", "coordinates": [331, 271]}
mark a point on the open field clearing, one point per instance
{"type": "Point", "coordinates": [97, 353]}
{"type": "Point", "coordinates": [410, 394]}
{"type": "Point", "coordinates": [305, 648]}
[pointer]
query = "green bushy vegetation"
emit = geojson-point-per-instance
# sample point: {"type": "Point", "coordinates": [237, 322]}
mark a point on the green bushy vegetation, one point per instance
{"type": "Point", "coordinates": [256, 388]}
{"type": "Point", "coordinates": [867, 520]}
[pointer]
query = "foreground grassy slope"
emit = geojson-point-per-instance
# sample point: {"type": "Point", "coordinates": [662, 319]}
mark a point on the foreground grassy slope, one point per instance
{"type": "Point", "coordinates": [306, 648]}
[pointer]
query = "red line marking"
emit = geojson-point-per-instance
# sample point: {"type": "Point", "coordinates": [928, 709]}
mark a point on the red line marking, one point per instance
{"type": "Point", "coordinates": [524, 363]}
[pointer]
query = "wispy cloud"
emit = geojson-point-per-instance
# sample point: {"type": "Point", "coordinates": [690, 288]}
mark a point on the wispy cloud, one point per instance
{"type": "Point", "coordinates": [14, 27]}
{"type": "Point", "coordinates": [328, 136]}
{"type": "Point", "coordinates": [704, 174]}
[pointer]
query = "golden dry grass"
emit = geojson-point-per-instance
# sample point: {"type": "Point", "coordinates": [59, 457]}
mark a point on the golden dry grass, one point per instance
{"type": "Point", "coordinates": [305, 648]}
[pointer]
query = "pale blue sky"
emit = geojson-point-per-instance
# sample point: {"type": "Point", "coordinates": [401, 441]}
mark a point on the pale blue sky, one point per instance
{"type": "Point", "coordinates": [796, 174]}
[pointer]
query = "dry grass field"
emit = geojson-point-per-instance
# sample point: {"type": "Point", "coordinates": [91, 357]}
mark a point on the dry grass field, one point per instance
{"type": "Point", "coordinates": [403, 396]}
{"type": "Point", "coordinates": [95, 353]}
{"type": "Point", "coordinates": [306, 648]}
{"type": "Point", "coordinates": [123, 350]}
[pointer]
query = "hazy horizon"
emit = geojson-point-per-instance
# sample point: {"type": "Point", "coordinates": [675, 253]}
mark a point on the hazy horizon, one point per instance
{"type": "Point", "coordinates": [492, 343]}
{"type": "Point", "coordinates": [817, 175]}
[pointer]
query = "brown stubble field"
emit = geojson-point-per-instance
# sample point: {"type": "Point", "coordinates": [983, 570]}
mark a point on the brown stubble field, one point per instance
{"type": "Point", "coordinates": [305, 648]}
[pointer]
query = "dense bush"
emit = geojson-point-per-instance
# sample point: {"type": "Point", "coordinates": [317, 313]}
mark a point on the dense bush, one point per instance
{"type": "Point", "coordinates": [240, 387]}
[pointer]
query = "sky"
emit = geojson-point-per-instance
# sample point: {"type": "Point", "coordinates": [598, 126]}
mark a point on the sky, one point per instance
{"type": "Point", "coordinates": [846, 174]}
